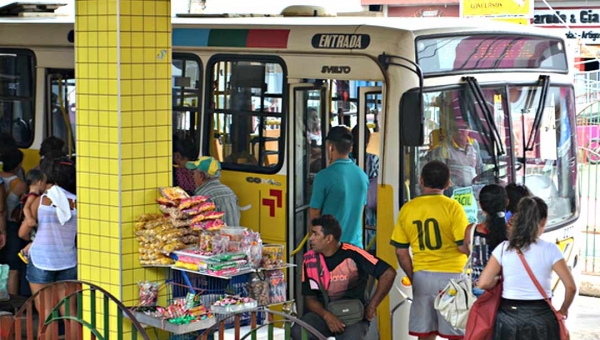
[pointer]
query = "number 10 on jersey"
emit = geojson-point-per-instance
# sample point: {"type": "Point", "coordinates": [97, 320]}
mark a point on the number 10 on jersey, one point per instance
{"type": "Point", "coordinates": [425, 229]}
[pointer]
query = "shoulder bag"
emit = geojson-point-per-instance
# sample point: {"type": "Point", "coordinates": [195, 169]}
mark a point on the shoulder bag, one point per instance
{"type": "Point", "coordinates": [457, 298]}
{"type": "Point", "coordinates": [564, 332]}
{"type": "Point", "coordinates": [482, 317]}
{"type": "Point", "coordinates": [349, 311]}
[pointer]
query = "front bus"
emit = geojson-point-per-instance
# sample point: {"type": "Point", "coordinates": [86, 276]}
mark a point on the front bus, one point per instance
{"type": "Point", "coordinates": [512, 94]}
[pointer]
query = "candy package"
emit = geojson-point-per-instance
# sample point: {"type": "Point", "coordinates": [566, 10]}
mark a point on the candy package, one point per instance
{"type": "Point", "coordinates": [174, 194]}
{"type": "Point", "coordinates": [187, 203]}
{"type": "Point", "coordinates": [259, 290]}
{"type": "Point", "coordinates": [277, 286]}
{"type": "Point", "coordinates": [148, 293]}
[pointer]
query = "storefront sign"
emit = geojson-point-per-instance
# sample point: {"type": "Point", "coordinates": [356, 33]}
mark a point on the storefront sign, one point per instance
{"type": "Point", "coordinates": [496, 8]}
{"type": "Point", "coordinates": [584, 23]}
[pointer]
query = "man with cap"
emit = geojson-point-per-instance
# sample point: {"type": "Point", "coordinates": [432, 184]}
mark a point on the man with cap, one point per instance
{"type": "Point", "coordinates": [341, 188]}
{"type": "Point", "coordinates": [207, 172]}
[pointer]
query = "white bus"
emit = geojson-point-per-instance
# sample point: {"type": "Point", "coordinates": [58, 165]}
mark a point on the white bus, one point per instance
{"type": "Point", "coordinates": [260, 94]}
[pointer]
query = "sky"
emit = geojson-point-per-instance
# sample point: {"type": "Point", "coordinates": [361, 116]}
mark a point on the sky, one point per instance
{"type": "Point", "coordinates": [232, 6]}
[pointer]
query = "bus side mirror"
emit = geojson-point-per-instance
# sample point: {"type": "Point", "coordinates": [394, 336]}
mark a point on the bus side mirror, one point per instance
{"type": "Point", "coordinates": [412, 119]}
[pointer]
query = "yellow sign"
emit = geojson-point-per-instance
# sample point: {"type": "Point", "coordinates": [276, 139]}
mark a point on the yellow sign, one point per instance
{"type": "Point", "coordinates": [520, 21]}
{"type": "Point", "coordinates": [496, 8]}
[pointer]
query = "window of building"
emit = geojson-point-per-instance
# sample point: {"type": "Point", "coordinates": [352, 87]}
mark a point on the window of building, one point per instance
{"type": "Point", "coordinates": [187, 84]}
{"type": "Point", "coordinates": [244, 121]}
{"type": "Point", "coordinates": [17, 95]}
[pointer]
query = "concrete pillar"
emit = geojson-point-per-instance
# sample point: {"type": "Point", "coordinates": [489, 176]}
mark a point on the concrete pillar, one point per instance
{"type": "Point", "coordinates": [123, 70]}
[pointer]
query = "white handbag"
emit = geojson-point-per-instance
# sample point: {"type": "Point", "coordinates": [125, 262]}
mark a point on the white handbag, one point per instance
{"type": "Point", "coordinates": [455, 301]}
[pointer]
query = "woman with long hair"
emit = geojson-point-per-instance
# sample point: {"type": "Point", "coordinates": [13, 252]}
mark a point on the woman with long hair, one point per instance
{"type": "Point", "coordinates": [524, 314]}
{"type": "Point", "coordinates": [489, 234]}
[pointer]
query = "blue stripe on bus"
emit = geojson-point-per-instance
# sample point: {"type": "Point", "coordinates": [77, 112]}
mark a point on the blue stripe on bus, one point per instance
{"type": "Point", "coordinates": [191, 37]}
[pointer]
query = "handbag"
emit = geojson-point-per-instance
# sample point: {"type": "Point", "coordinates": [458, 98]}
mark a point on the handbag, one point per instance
{"type": "Point", "coordinates": [455, 301]}
{"type": "Point", "coordinates": [349, 311]}
{"type": "Point", "coordinates": [482, 317]}
{"type": "Point", "coordinates": [564, 332]}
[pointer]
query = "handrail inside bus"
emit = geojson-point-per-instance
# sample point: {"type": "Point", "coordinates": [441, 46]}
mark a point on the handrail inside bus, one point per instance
{"type": "Point", "coordinates": [65, 116]}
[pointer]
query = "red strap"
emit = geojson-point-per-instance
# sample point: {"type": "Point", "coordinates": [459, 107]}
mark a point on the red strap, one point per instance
{"type": "Point", "coordinates": [535, 281]}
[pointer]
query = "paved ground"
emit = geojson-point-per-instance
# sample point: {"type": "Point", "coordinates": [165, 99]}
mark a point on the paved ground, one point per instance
{"type": "Point", "coordinates": [584, 319]}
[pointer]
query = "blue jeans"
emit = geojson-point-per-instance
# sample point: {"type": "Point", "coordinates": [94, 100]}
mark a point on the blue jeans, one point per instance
{"type": "Point", "coordinates": [40, 276]}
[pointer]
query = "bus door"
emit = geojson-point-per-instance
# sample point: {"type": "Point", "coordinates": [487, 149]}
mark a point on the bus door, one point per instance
{"type": "Point", "coordinates": [308, 156]}
{"type": "Point", "coordinates": [369, 111]}
{"type": "Point", "coordinates": [60, 104]}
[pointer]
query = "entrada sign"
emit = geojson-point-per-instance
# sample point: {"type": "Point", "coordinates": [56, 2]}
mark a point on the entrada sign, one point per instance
{"type": "Point", "coordinates": [341, 41]}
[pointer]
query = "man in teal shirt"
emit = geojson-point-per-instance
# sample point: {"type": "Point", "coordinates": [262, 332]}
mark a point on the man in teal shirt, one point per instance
{"type": "Point", "coordinates": [341, 188]}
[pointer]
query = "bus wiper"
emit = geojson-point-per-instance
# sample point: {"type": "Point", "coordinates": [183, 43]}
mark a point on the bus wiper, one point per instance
{"type": "Point", "coordinates": [493, 130]}
{"type": "Point", "coordinates": [535, 129]}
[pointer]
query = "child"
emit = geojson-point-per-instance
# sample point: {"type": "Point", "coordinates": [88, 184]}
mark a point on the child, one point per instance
{"type": "Point", "coordinates": [36, 180]}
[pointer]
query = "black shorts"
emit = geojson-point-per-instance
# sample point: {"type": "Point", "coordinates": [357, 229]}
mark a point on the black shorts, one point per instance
{"type": "Point", "coordinates": [10, 253]}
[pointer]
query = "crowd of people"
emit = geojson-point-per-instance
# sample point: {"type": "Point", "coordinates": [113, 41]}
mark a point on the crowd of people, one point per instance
{"type": "Point", "coordinates": [432, 239]}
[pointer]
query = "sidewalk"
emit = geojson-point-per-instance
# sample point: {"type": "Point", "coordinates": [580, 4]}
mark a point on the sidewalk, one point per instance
{"type": "Point", "coordinates": [590, 285]}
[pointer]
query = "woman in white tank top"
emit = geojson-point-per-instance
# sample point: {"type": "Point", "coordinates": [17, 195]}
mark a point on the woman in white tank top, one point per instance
{"type": "Point", "coordinates": [53, 253]}
{"type": "Point", "coordinates": [523, 313]}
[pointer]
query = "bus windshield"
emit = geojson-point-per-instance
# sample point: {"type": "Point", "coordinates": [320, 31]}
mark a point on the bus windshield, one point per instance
{"type": "Point", "coordinates": [447, 54]}
{"type": "Point", "coordinates": [457, 132]}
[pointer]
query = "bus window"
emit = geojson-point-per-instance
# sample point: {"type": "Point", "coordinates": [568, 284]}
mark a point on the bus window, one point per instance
{"type": "Point", "coordinates": [61, 107]}
{"type": "Point", "coordinates": [244, 114]}
{"type": "Point", "coordinates": [458, 134]}
{"type": "Point", "coordinates": [17, 95]}
{"type": "Point", "coordinates": [545, 169]}
{"type": "Point", "coordinates": [187, 79]}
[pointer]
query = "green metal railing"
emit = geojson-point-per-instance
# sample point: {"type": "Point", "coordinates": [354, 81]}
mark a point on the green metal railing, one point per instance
{"type": "Point", "coordinates": [589, 185]}
{"type": "Point", "coordinates": [284, 320]}
{"type": "Point", "coordinates": [63, 297]}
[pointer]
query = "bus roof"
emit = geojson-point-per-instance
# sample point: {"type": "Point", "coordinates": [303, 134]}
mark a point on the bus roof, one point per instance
{"type": "Point", "coordinates": [418, 26]}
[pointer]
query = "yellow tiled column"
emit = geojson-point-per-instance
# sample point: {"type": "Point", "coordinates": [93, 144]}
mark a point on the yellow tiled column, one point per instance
{"type": "Point", "coordinates": [123, 70]}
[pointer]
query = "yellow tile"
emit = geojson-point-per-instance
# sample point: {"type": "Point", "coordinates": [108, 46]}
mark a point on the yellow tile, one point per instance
{"type": "Point", "coordinates": [150, 134]}
{"type": "Point", "coordinates": [138, 182]}
{"type": "Point", "coordinates": [83, 164]}
{"type": "Point", "coordinates": [150, 180]}
{"type": "Point", "coordinates": [150, 55]}
{"type": "Point", "coordinates": [83, 101]}
{"type": "Point", "coordinates": [150, 73]}
{"type": "Point", "coordinates": [150, 149]}
{"type": "Point", "coordinates": [104, 194]}
{"type": "Point", "coordinates": [94, 149]}
{"type": "Point", "coordinates": [137, 88]}
{"type": "Point", "coordinates": [138, 197]}
{"type": "Point", "coordinates": [114, 213]}
{"type": "Point", "coordinates": [113, 150]}
{"type": "Point", "coordinates": [94, 215]}
{"type": "Point", "coordinates": [163, 8]}
{"type": "Point", "coordinates": [163, 149]}
{"type": "Point", "coordinates": [164, 179]}
{"type": "Point", "coordinates": [82, 73]}
{"type": "Point", "coordinates": [111, 37]}
{"type": "Point", "coordinates": [163, 164]}
{"type": "Point", "coordinates": [127, 182]}
{"type": "Point", "coordinates": [149, 37]}
{"type": "Point", "coordinates": [83, 180]}
{"type": "Point", "coordinates": [149, 8]}
{"type": "Point", "coordinates": [163, 133]}
{"type": "Point", "coordinates": [137, 55]}
{"type": "Point", "coordinates": [103, 151]}
{"type": "Point", "coordinates": [102, 56]}
{"type": "Point", "coordinates": [105, 259]}
{"type": "Point", "coordinates": [115, 230]}
{"type": "Point", "coordinates": [103, 169]}
{"type": "Point", "coordinates": [125, 37]}
{"type": "Point", "coordinates": [102, 130]}
{"type": "Point", "coordinates": [115, 279]}
{"type": "Point", "coordinates": [113, 182]}
{"type": "Point", "coordinates": [137, 72]}
{"type": "Point", "coordinates": [163, 24]}
{"type": "Point", "coordinates": [127, 276]}
{"type": "Point", "coordinates": [137, 38]}
{"type": "Point", "coordinates": [85, 257]}
{"type": "Point", "coordinates": [128, 260]}
{"type": "Point", "coordinates": [126, 151]}
{"type": "Point", "coordinates": [138, 167]}
{"type": "Point", "coordinates": [113, 99]}
{"type": "Point", "coordinates": [113, 198]}
{"type": "Point", "coordinates": [125, 7]}
{"type": "Point", "coordinates": [104, 277]}
{"type": "Point", "coordinates": [127, 215]}
{"type": "Point", "coordinates": [93, 54]}
{"type": "Point", "coordinates": [149, 165]}
{"type": "Point", "coordinates": [137, 135]}
{"type": "Point", "coordinates": [126, 87]}
{"type": "Point", "coordinates": [102, 28]}
{"type": "Point", "coordinates": [137, 104]}
{"type": "Point", "coordinates": [126, 54]}
{"type": "Point", "coordinates": [125, 23]}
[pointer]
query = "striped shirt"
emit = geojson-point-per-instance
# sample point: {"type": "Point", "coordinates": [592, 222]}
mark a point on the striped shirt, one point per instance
{"type": "Point", "coordinates": [224, 199]}
{"type": "Point", "coordinates": [54, 245]}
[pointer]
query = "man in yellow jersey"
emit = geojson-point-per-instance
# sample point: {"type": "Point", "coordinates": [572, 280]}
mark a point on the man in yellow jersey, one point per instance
{"type": "Point", "coordinates": [433, 227]}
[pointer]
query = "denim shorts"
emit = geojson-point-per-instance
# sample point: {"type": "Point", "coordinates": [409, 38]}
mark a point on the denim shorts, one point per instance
{"type": "Point", "coordinates": [40, 276]}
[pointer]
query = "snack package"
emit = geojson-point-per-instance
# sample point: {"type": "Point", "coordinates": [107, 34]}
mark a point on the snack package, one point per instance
{"type": "Point", "coordinates": [148, 293]}
{"type": "Point", "coordinates": [259, 290]}
{"type": "Point", "coordinates": [277, 286]}
{"type": "Point", "coordinates": [187, 203]}
{"type": "Point", "coordinates": [208, 225]}
{"type": "Point", "coordinates": [173, 194]}
{"type": "Point", "coordinates": [166, 202]}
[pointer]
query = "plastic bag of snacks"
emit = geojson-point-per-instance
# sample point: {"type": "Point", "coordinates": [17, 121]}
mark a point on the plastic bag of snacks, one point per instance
{"type": "Point", "coordinates": [148, 293]}
{"type": "Point", "coordinates": [277, 286]}
{"type": "Point", "coordinates": [259, 290]}
{"type": "Point", "coordinates": [272, 256]}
